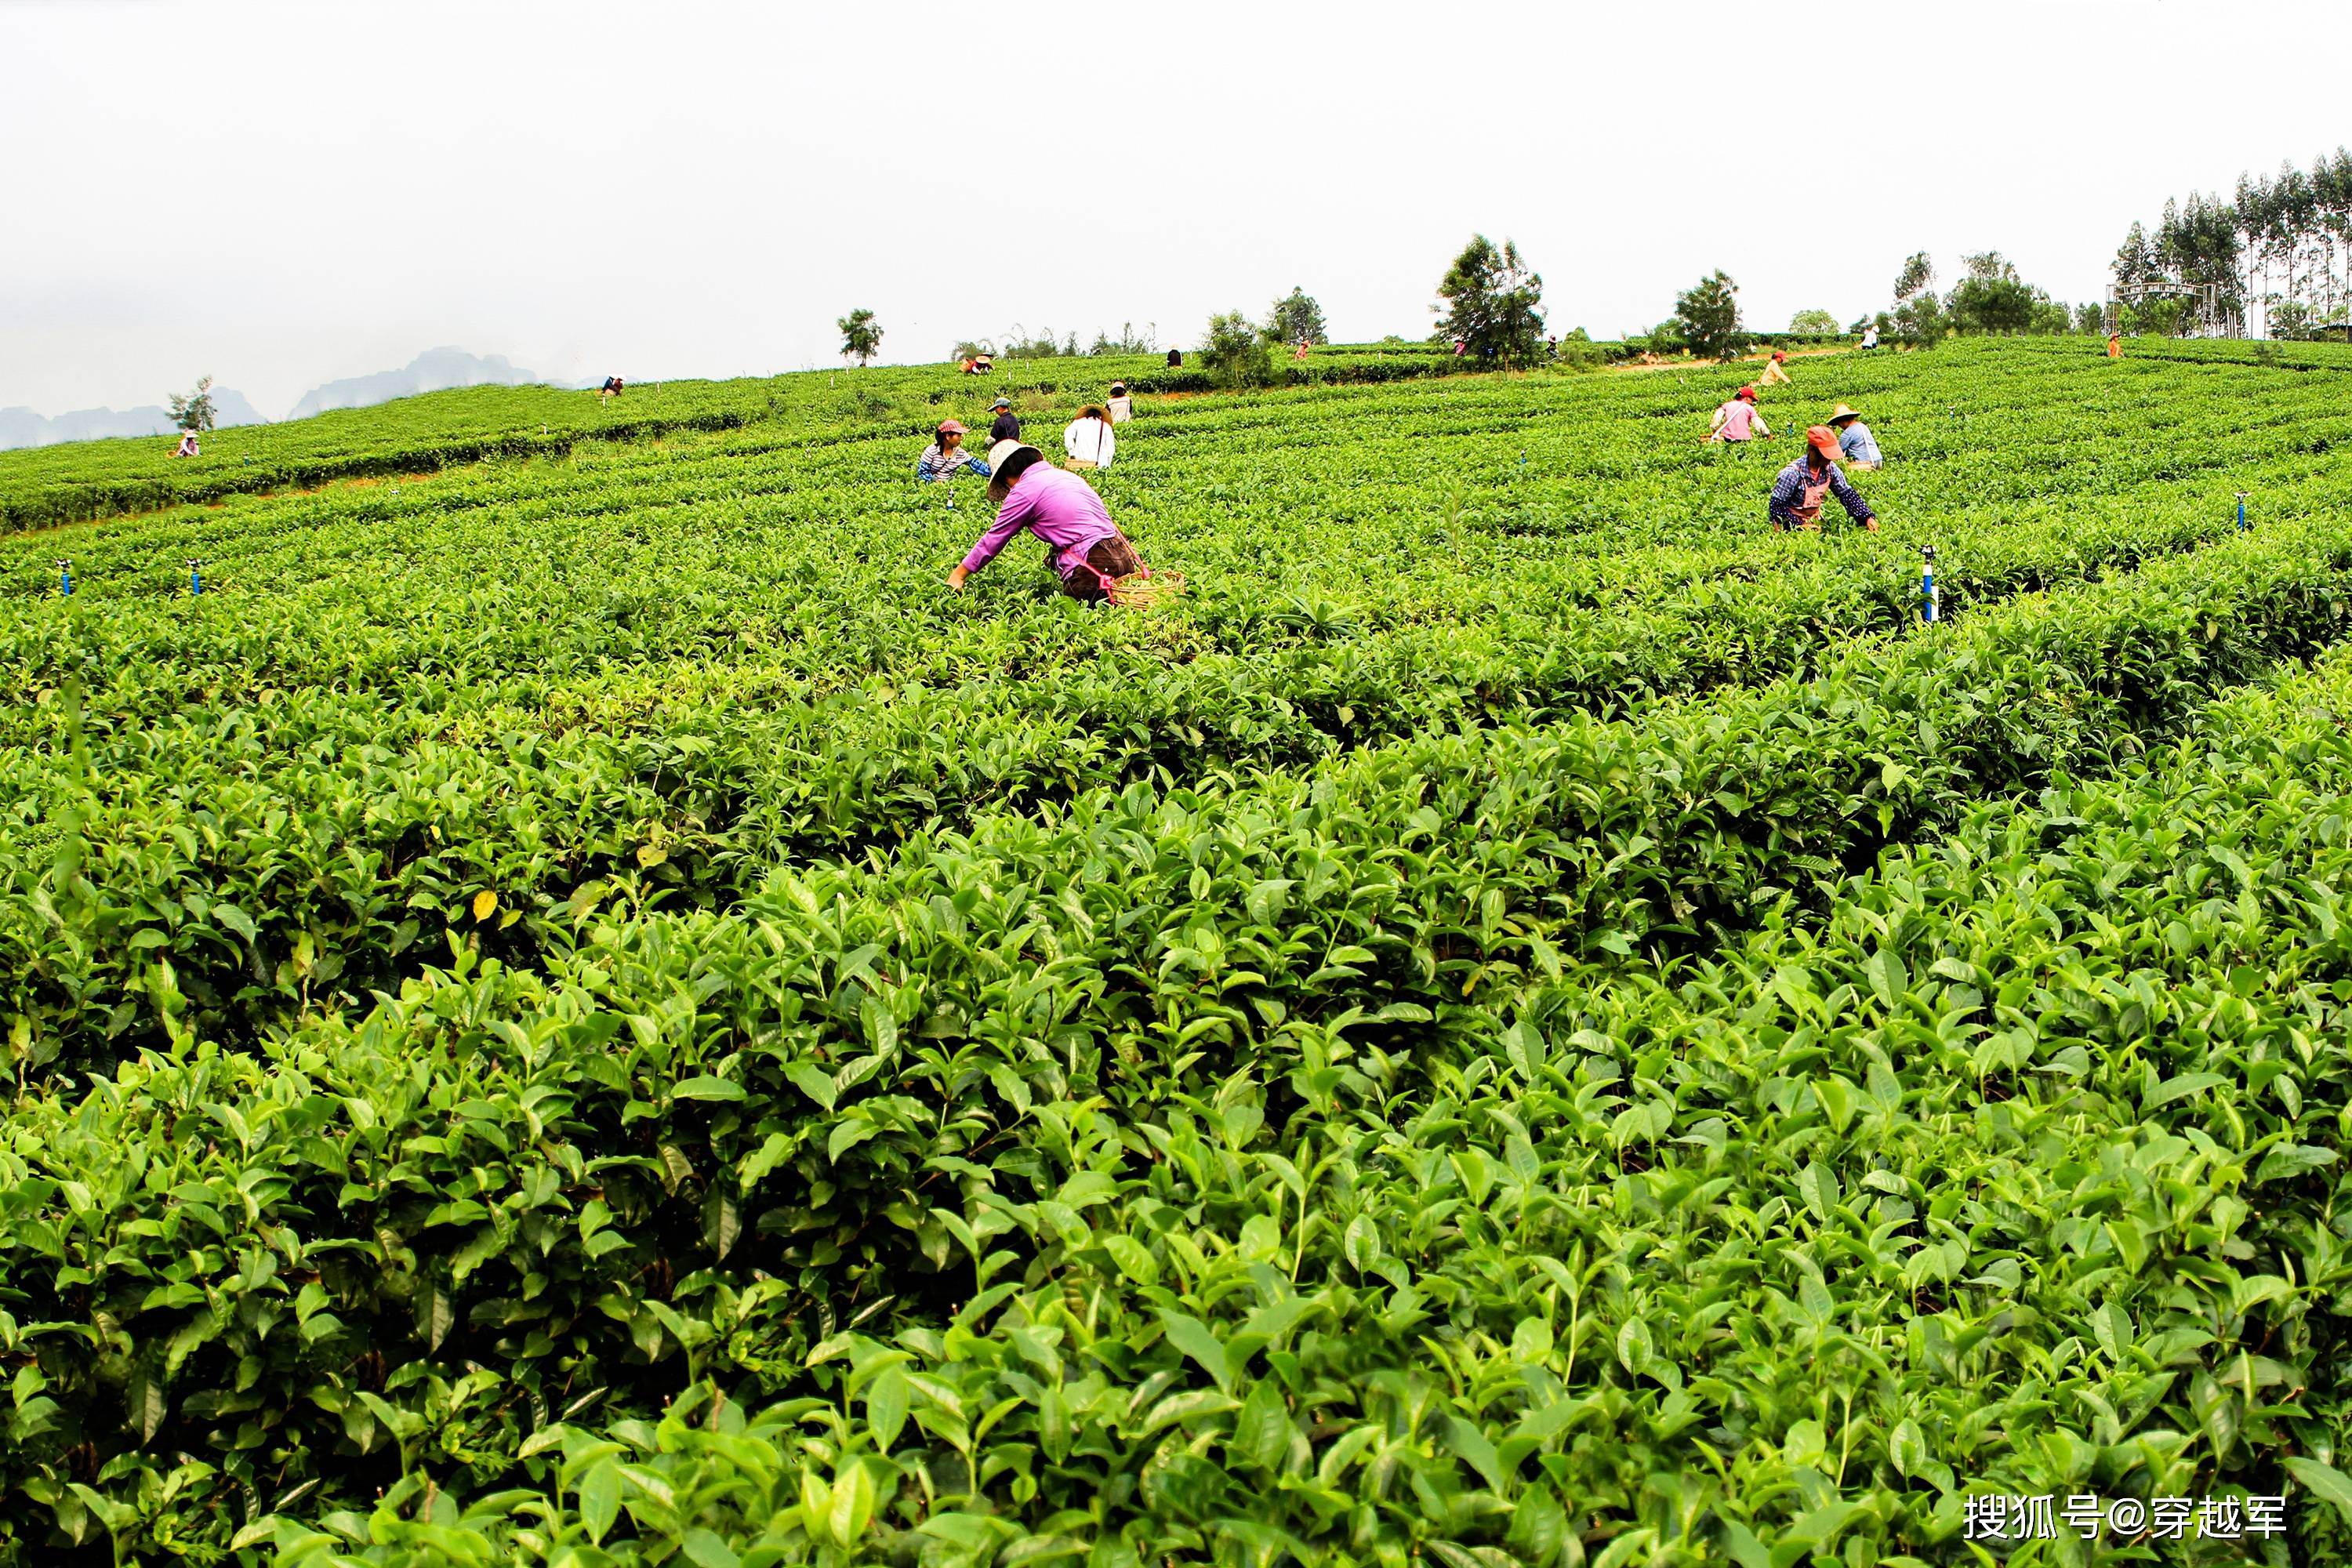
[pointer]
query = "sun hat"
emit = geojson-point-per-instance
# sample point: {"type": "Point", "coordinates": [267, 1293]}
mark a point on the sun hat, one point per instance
{"type": "Point", "coordinates": [1778, 354]}
{"type": "Point", "coordinates": [1001, 453]}
{"type": "Point", "coordinates": [1842, 412]}
{"type": "Point", "coordinates": [1000, 483]}
{"type": "Point", "coordinates": [1001, 403]}
{"type": "Point", "coordinates": [1821, 438]}
{"type": "Point", "coordinates": [951, 428]}
{"type": "Point", "coordinates": [1747, 392]}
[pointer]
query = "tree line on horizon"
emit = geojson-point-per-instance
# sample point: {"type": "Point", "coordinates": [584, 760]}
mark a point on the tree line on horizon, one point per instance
{"type": "Point", "coordinates": [2283, 243]}
{"type": "Point", "coordinates": [1490, 309]}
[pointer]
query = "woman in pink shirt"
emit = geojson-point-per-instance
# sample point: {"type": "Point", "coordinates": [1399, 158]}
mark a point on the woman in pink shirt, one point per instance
{"type": "Point", "coordinates": [1082, 546]}
{"type": "Point", "coordinates": [1737, 419]}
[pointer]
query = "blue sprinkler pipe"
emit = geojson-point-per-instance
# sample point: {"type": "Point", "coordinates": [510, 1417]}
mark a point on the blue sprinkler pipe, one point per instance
{"type": "Point", "coordinates": [2241, 512]}
{"type": "Point", "coordinates": [1930, 600]}
{"type": "Point", "coordinates": [65, 579]}
{"type": "Point", "coordinates": [195, 577]}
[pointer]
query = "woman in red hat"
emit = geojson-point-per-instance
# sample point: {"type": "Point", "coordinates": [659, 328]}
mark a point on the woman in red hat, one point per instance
{"type": "Point", "coordinates": [1774, 371]}
{"type": "Point", "coordinates": [1738, 419]}
{"type": "Point", "coordinates": [943, 457]}
{"type": "Point", "coordinates": [1798, 493]}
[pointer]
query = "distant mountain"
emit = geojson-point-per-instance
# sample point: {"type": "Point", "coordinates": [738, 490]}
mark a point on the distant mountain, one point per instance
{"type": "Point", "coordinates": [23, 427]}
{"type": "Point", "coordinates": [435, 370]}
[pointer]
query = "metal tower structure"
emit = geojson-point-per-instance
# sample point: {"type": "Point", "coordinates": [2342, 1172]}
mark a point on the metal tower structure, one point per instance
{"type": "Point", "coordinates": [2207, 314]}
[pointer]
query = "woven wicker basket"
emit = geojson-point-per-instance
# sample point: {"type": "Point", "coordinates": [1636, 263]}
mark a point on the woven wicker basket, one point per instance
{"type": "Point", "coordinates": [1141, 590]}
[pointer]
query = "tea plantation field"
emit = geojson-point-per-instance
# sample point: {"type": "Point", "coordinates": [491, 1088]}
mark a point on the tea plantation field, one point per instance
{"type": "Point", "coordinates": [578, 1007]}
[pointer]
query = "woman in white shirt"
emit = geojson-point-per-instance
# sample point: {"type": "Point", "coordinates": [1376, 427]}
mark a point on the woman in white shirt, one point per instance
{"type": "Point", "coordinates": [1087, 442]}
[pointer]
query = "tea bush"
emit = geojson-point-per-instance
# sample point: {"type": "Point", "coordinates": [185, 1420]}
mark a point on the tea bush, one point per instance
{"type": "Point", "coordinates": [586, 1011]}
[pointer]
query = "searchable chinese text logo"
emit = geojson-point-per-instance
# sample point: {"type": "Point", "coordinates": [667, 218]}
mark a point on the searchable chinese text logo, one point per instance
{"type": "Point", "coordinates": [1995, 1517]}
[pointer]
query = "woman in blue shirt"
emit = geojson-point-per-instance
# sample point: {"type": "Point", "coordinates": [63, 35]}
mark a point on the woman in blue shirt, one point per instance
{"type": "Point", "coordinates": [1854, 439]}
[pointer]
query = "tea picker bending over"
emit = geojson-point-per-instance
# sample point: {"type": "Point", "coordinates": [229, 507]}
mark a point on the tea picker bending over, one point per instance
{"type": "Point", "coordinates": [1737, 419]}
{"type": "Point", "coordinates": [1798, 493]}
{"type": "Point", "coordinates": [1861, 448]}
{"type": "Point", "coordinates": [1084, 547]}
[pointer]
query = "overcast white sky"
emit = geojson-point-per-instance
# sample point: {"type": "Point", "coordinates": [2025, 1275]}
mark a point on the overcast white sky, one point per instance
{"type": "Point", "coordinates": [283, 194]}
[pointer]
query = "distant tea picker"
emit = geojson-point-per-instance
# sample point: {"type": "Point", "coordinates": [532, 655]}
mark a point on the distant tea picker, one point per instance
{"type": "Point", "coordinates": [187, 447]}
{"type": "Point", "coordinates": [1094, 560]}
